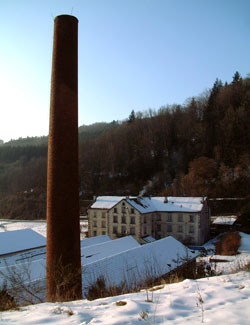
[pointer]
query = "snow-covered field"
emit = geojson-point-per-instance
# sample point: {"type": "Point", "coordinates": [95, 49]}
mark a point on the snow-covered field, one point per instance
{"type": "Point", "coordinates": [38, 226]}
{"type": "Point", "coordinates": [221, 299]}
{"type": "Point", "coordinates": [218, 300]}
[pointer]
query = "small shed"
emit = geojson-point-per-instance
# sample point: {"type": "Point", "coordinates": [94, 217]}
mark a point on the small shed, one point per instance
{"type": "Point", "coordinates": [223, 224]}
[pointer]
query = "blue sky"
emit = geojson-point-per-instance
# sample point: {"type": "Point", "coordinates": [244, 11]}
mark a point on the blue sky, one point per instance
{"type": "Point", "coordinates": [133, 55]}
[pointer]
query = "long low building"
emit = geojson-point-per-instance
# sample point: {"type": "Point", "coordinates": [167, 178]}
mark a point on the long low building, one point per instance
{"type": "Point", "coordinates": [185, 218]}
{"type": "Point", "coordinates": [138, 264]}
{"type": "Point", "coordinates": [118, 262]}
{"type": "Point", "coordinates": [31, 264]}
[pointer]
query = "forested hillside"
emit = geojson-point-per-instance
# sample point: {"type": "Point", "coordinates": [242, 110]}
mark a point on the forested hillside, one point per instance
{"type": "Point", "coordinates": [199, 148]}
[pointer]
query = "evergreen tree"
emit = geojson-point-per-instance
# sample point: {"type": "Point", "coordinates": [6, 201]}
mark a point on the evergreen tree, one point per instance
{"type": "Point", "coordinates": [131, 118]}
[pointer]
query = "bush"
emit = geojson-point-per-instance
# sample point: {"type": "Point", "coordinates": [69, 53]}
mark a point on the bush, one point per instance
{"type": "Point", "coordinates": [100, 289]}
{"type": "Point", "coordinates": [228, 244]}
{"type": "Point", "coordinates": [6, 301]}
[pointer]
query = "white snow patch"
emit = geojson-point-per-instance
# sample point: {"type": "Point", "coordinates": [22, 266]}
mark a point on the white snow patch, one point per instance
{"type": "Point", "coordinates": [225, 301]}
{"type": "Point", "coordinates": [225, 220]}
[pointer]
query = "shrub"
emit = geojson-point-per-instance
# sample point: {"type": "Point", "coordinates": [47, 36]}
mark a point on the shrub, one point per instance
{"type": "Point", "coordinates": [6, 301]}
{"type": "Point", "coordinates": [101, 289]}
{"type": "Point", "coordinates": [20, 285]}
{"type": "Point", "coordinates": [228, 244]}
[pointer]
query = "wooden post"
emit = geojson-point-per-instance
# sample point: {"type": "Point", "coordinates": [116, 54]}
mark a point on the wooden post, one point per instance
{"type": "Point", "coordinates": [63, 282]}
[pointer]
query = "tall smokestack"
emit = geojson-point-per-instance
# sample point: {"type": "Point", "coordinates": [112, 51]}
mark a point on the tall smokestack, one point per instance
{"type": "Point", "coordinates": [63, 226]}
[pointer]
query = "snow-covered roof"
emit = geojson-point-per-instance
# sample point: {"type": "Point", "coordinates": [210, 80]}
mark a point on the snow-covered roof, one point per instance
{"type": "Point", "coordinates": [154, 259]}
{"type": "Point", "coordinates": [40, 253]}
{"type": "Point", "coordinates": [106, 202]}
{"type": "Point", "coordinates": [152, 204]}
{"type": "Point", "coordinates": [94, 240]}
{"type": "Point", "coordinates": [96, 252]}
{"type": "Point", "coordinates": [20, 240]}
{"type": "Point", "coordinates": [228, 220]}
{"type": "Point", "coordinates": [118, 260]}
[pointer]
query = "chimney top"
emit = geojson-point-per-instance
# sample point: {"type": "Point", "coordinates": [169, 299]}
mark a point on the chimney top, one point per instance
{"type": "Point", "coordinates": [66, 17]}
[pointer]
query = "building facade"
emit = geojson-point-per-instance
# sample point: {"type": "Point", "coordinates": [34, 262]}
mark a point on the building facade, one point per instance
{"type": "Point", "coordinates": [184, 218]}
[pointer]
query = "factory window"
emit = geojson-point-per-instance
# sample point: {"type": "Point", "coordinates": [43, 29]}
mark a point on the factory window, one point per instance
{"type": "Point", "coordinates": [132, 220]}
{"type": "Point", "coordinates": [158, 227]}
{"type": "Point", "coordinates": [169, 228]}
{"type": "Point", "coordinates": [158, 217]}
{"type": "Point", "coordinates": [124, 230]}
{"type": "Point", "coordinates": [132, 230]}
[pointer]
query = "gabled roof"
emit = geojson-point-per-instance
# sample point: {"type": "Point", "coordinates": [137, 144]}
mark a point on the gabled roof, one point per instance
{"type": "Point", "coordinates": [152, 204]}
{"type": "Point", "coordinates": [106, 202]}
{"type": "Point", "coordinates": [20, 240]}
{"type": "Point", "coordinates": [154, 259]}
{"type": "Point", "coordinates": [94, 240]}
{"type": "Point", "coordinates": [112, 247]}
{"type": "Point", "coordinates": [120, 259]}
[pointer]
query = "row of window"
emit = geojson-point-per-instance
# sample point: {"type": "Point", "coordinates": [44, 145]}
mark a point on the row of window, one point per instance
{"type": "Point", "coordinates": [125, 210]}
{"type": "Point", "coordinates": [103, 224]}
{"type": "Point", "coordinates": [95, 214]}
{"type": "Point", "coordinates": [170, 228]}
{"type": "Point", "coordinates": [179, 218]}
{"type": "Point", "coordinates": [158, 216]}
{"type": "Point", "coordinates": [124, 220]}
{"type": "Point", "coordinates": [124, 230]}
{"type": "Point", "coordinates": [132, 222]}
{"type": "Point", "coordinates": [95, 233]}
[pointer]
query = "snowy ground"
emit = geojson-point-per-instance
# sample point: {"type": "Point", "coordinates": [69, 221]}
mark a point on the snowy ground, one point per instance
{"type": "Point", "coordinates": [218, 300]}
{"type": "Point", "coordinates": [221, 299]}
{"type": "Point", "coordinates": [234, 262]}
{"type": "Point", "coordinates": [38, 226]}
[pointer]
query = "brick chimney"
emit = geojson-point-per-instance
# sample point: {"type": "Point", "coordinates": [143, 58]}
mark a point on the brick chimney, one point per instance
{"type": "Point", "coordinates": [63, 282]}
